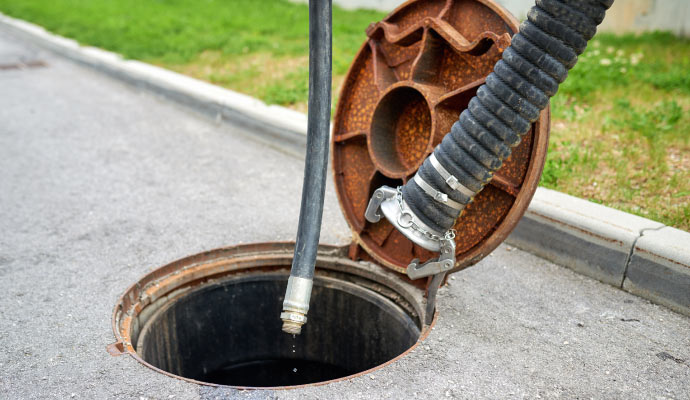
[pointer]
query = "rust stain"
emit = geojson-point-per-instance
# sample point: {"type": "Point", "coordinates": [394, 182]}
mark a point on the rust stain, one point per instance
{"type": "Point", "coordinates": [116, 349]}
{"type": "Point", "coordinates": [672, 261]}
{"type": "Point", "coordinates": [23, 65]}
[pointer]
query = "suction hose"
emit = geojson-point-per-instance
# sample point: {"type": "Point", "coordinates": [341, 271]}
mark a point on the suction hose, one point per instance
{"type": "Point", "coordinates": [518, 89]}
{"type": "Point", "coordinates": [298, 292]}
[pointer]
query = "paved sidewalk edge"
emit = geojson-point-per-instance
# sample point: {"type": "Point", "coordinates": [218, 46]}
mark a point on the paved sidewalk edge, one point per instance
{"type": "Point", "coordinates": [635, 254]}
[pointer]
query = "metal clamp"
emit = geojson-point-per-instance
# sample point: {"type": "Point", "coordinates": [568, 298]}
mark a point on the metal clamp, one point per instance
{"type": "Point", "coordinates": [450, 179]}
{"type": "Point", "coordinates": [442, 264]}
{"type": "Point", "coordinates": [437, 195]}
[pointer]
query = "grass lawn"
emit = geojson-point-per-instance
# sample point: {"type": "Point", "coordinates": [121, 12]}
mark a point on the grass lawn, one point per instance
{"type": "Point", "coordinates": [621, 123]}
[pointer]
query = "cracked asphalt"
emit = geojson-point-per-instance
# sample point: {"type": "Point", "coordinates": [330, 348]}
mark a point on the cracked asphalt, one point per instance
{"type": "Point", "coordinates": [101, 182]}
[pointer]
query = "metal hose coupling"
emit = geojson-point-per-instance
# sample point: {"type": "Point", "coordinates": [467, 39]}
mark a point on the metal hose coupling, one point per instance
{"type": "Point", "coordinates": [296, 304]}
{"type": "Point", "coordinates": [391, 203]}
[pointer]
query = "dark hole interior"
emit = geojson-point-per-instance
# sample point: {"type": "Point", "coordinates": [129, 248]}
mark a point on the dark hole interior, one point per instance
{"type": "Point", "coordinates": [229, 333]}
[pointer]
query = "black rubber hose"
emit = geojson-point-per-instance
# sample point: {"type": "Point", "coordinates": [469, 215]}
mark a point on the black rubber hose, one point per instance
{"type": "Point", "coordinates": [531, 68]}
{"type": "Point", "coordinates": [319, 117]}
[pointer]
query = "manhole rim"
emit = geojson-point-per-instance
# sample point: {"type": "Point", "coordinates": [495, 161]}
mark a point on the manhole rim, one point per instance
{"type": "Point", "coordinates": [242, 254]}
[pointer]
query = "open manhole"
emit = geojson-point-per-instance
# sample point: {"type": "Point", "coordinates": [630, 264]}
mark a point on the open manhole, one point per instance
{"type": "Point", "coordinates": [214, 318]}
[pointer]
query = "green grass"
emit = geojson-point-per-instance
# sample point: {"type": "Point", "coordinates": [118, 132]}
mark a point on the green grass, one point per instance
{"type": "Point", "coordinates": [178, 33]}
{"type": "Point", "coordinates": [621, 122]}
{"type": "Point", "coordinates": [621, 127]}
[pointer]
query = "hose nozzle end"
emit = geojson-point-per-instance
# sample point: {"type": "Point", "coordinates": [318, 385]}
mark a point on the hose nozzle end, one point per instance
{"type": "Point", "coordinates": [296, 304]}
{"type": "Point", "coordinates": [290, 326]}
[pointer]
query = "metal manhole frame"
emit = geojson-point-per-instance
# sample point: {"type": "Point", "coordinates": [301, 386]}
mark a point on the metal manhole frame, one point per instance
{"type": "Point", "coordinates": [179, 277]}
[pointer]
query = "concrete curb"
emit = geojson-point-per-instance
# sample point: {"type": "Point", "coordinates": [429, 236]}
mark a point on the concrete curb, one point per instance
{"type": "Point", "coordinates": [638, 255]}
{"type": "Point", "coordinates": [590, 238]}
{"type": "Point", "coordinates": [659, 268]}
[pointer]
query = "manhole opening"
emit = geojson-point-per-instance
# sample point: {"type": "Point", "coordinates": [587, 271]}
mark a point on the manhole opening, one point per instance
{"type": "Point", "coordinates": [227, 330]}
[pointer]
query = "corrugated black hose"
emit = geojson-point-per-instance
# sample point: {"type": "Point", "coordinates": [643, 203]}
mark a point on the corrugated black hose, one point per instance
{"type": "Point", "coordinates": [298, 293]}
{"type": "Point", "coordinates": [532, 67]}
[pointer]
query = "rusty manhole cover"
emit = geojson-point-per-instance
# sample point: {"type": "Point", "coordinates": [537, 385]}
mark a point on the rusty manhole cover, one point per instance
{"type": "Point", "coordinates": [408, 84]}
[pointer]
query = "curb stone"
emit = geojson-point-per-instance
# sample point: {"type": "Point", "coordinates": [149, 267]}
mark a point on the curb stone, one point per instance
{"type": "Point", "coordinates": [660, 268]}
{"type": "Point", "coordinates": [592, 239]}
{"type": "Point", "coordinates": [635, 254]}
